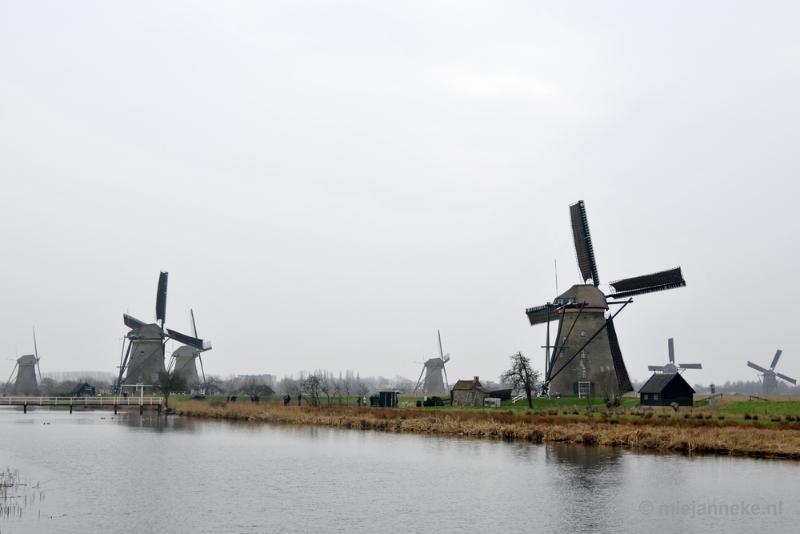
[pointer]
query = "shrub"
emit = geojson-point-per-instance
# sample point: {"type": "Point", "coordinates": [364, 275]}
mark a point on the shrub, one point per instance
{"type": "Point", "coordinates": [419, 404]}
{"type": "Point", "coordinates": [721, 417]}
{"type": "Point", "coordinates": [648, 415]}
{"type": "Point", "coordinates": [433, 401]}
{"type": "Point", "coordinates": [748, 416]}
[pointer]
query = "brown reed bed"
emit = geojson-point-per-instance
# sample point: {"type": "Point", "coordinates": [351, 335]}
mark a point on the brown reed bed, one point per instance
{"type": "Point", "coordinates": [692, 436]}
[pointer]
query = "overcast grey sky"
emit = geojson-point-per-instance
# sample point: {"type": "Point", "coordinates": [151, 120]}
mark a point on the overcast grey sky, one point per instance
{"type": "Point", "coordinates": [329, 183]}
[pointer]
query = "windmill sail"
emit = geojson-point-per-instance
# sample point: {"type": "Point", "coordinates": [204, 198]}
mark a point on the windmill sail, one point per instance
{"type": "Point", "coordinates": [619, 364]}
{"type": "Point", "coordinates": [648, 283]}
{"type": "Point", "coordinates": [161, 298]}
{"type": "Point", "coordinates": [775, 359]}
{"type": "Point", "coordinates": [189, 340]}
{"type": "Point", "coordinates": [541, 314]}
{"type": "Point", "coordinates": [583, 243]}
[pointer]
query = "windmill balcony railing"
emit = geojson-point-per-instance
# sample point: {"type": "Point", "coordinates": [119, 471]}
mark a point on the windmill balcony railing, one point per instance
{"type": "Point", "coordinates": [82, 401]}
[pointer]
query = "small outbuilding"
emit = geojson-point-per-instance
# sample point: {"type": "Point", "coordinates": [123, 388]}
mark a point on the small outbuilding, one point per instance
{"type": "Point", "coordinates": [388, 399]}
{"type": "Point", "coordinates": [83, 390]}
{"type": "Point", "coordinates": [665, 388]}
{"type": "Point", "coordinates": [468, 393]}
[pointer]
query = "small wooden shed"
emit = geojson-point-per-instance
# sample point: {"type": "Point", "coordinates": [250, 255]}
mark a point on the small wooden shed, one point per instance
{"type": "Point", "coordinates": [665, 388]}
{"type": "Point", "coordinates": [468, 393]}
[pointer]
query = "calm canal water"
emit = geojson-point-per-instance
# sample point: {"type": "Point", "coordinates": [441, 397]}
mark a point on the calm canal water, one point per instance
{"type": "Point", "coordinates": [131, 473]}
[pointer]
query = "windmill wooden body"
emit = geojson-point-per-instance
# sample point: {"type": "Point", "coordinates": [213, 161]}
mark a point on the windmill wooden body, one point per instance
{"type": "Point", "coordinates": [24, 375]}
{"type": "Point", "coordinates": [586, 341]}
{"type": "Point", "coordinates": [185, 360]}
{"type": "Point", "coordinates": [144, 357]}
{"type": "Point", "coordinates": [435, 373]}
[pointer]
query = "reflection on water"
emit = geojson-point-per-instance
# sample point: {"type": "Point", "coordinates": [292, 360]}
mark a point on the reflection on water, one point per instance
{"type": "Point", "coordinates": [144, 473]}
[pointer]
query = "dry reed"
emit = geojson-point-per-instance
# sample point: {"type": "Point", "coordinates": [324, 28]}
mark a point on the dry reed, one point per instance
{"type": "Point", "coordinates": [776, 440]}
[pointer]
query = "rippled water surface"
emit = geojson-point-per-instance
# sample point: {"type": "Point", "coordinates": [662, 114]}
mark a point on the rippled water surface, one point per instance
{"type": "Point", "coordinates": [131, 473]}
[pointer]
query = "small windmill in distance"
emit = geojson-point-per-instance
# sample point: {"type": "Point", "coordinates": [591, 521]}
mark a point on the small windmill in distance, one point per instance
{"type": "Point", "coordinates": [25, 383]}
{"type": "Point", "coordinates": [671, 367]}
{"type": "Point", "coordinates": [770, 382]}
{"type": "Point", "coordinates": [433, 370]}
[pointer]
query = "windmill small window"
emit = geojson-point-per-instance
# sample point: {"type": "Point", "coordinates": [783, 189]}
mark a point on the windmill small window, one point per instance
{"type": "Point", "coordinates": [583, 333]}
{"type": "Point", "coordinates": [583, 354]}
{"type": "Point", "coordinates": [583, 373]}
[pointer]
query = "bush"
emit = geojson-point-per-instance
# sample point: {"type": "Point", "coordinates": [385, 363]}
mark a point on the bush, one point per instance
{"type": "Point", "coordinates": [433, 401]}
{"type": "Point", "coordinates": [721, 417]}
{"type": "Point", "coordinates": [419, 404]}
{"type": "Point", "coordinates": [748, 416]}
{"type": "Point", "coordinates": [648, 415]}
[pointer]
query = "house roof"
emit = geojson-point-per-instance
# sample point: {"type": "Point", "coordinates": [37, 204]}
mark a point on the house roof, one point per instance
{"type": "Point", "coordinates": [466, 385]}
{"type": "Point", "coordinates": [659, 381]}
{"type": "Point", "coordinates": [81, 386]}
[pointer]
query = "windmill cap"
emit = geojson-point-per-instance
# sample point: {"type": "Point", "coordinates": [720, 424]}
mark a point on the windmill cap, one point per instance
{"type": "Point", "coordinates": [587, 293]}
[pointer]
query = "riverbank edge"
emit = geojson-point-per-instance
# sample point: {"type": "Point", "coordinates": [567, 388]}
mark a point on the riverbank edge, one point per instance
{"type": "Point", "coordinates": [729, 438]}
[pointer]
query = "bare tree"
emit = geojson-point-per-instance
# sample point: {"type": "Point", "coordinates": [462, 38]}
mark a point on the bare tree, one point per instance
{"type": "Point", "coordinates": [168, 383]}
{"type": "Point", "coordinates": [255, 388]}
{"type": "Point", "coordinates": [521, 376]}
{"type": "Point", "coordinates": [347, 385]}
{"type": "Point", "coordinates": [214, 385]}
{"type": "Point", "coordinates": [337, 388]}
{"type": "Point", "coordinates": [311, 387]}
{"type": "Point", "coordinates": [608, 387]}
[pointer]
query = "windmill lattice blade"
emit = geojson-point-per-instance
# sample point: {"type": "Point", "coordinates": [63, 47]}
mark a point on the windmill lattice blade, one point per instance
{"type": "Point", "coordinates": [690, 366]}
{"type": "Point", "coordinates": [648, 283]}
{"type": "Point", "coordinates": [775, 359]}
{"type": "Point", "coordinates": [194, 326]}
{"type": "Point", "coordinates": [756, 367]}
{"type": "Point", "coordinates": [161, 297]}
{"type": "Point", "coordinates": [671, 351]}
{"type": "Point", "coordinates": [538, 315]}
{"type": "Point", "coordinates": [792, 380]}
{"type": "Point", "coordinates": [186, 340]}
{"type": "Point", "coordinates": [132, 322]}
{"type": "Point", "coordinates": [655, 368]}
{"type": "Point", "coordinates": [583, 242]}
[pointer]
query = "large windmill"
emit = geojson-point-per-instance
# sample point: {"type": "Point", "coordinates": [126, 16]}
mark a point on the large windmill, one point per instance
{"type": "Point", "coordinates": [144, 358]}
{"type": "Point", "coordinates": [433, 369]}
{"type": "Point", "coordinates": [671, 367]}
{"type": "Point", "coordinates": [586, 341]}
{"type": "Point", "coordinates": [24, 374]}
{"type": "Point", "coordinates": [185, 356]}
{"type": "Point", "coordinates": [770, 377]}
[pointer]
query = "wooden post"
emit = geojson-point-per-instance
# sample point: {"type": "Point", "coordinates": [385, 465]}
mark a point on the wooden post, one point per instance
{"type": "Point", "coordinates": [25, 407]}
{"type": "Point", "coordinates": [115, 408]}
